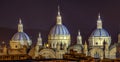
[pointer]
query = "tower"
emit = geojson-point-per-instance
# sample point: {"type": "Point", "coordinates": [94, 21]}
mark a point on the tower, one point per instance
{"type": "Point", "coordinates": [79, 38]}
{"type": "Point", "coordinates": [85, 48]}
{"type": "Point", "coordinates": [39, 40]}
{"type": "Point", "coordinates": [38, 45]}
{"type": "Point", "coordinates": [106, 51]}
{"type": "Point", "coordinates": [4, 48]}
{"type": "Point", "coordinates": [78, 47]}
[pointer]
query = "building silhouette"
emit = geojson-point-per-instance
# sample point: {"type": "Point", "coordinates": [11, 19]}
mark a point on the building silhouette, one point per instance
{"type": "Point", "coordinates": [59, 43]}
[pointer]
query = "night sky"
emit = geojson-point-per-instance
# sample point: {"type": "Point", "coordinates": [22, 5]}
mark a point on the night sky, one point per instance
{"type": "Point", "coordinates": [40, 16]}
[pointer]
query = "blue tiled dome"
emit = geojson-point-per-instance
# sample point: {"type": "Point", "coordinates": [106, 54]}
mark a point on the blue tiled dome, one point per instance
{"type": "Point", "coordinates": [59, 29]}
{"type": "Point", "coordinates": [20, 36]}
{"type": "Point", "coordinates": [100, 32]}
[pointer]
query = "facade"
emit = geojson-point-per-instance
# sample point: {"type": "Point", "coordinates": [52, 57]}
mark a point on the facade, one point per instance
{"type": "Point", "coordinates": [59, 43]}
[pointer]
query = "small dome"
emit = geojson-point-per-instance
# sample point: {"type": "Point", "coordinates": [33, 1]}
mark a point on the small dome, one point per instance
{"type": "Point", "coordinates": [59, 29]}
{"type": "Point", "coordinates": [100, 32]}
{"type": "Point", "coordinates": [20, 36]}
{"type": "Point", "coordinates": [78, 47]}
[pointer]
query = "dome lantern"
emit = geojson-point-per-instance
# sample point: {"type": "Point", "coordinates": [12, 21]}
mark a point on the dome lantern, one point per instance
{"type": "Point", "coordinates": [59, 18]}
{"type": "Point", "coordinates": [99, 22]}
{"type": "Point", "coordinates": [20, 26]}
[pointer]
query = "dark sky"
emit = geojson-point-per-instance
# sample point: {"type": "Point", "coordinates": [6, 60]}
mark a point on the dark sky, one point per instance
{"type": "Point", "coordinates": [40, 16]}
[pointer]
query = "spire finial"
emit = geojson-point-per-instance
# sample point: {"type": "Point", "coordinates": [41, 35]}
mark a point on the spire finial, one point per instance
{"type": "Point", "coordinates": [85, 42]}
{"type": "Point", "coordinates": [39, 34]}
{"type": "Point", "coordinates": [79, 32]}
{"type": "Point", "coordinates": [58, 10]}
{"type": "Point", "coordinates": [99, 16]}
{"type": "Point", "coordinates": [20, 21]}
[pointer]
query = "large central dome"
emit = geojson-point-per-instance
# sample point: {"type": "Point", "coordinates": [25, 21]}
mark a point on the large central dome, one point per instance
{"type": "Point", "coordinates": [59, 29]}
{"type": "Point", "coordinates": [59, 34]}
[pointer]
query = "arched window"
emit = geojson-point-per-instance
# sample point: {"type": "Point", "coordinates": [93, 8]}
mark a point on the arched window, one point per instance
{"type": "Point", "coordinates": [16, 46]}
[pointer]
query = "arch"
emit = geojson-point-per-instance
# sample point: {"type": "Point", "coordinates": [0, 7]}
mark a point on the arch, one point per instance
{"type": "Point", "coordinates": [96, 53]}
{"type": "Point", "coordinates": [47, 53]}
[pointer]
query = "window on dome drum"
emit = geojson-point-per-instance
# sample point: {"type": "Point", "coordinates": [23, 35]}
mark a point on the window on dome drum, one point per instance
{"type": "Point", "coordinates": [16, 46]}
{"type": "Point", "coordinates": [61, 46]}
{"type": "Point", "coordinates": [96, 43]}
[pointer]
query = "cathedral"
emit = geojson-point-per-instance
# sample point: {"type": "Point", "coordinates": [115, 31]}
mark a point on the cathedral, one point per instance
{"type": "Point", "coordinates": [59, 42]}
